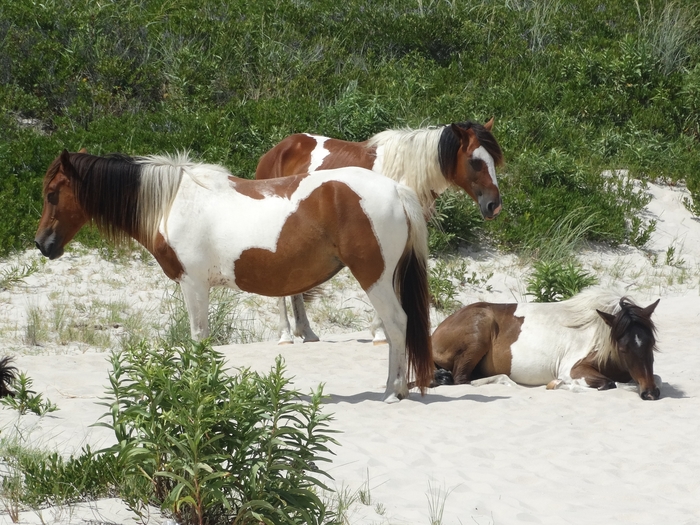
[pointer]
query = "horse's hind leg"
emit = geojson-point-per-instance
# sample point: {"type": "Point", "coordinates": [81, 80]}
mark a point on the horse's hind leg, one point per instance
{"type": "Point", "coordinates": [284, 330]}
{"type": "Point", "coordinates": [388, 308]}
{"type": "Point", "coordinates": [302, 328]}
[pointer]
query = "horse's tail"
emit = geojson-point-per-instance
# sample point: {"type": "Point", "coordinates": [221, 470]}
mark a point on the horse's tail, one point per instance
{"type": "Point", "coordinates": [7, 376]}
{"type": "Point", "coordinates": [411, 284]}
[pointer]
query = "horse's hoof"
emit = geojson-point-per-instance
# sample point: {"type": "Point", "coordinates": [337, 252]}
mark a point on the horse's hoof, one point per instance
{"type": "Point", "coordinates": [377, 342]}
{"type": "Point", "coordinates": [554, 384]}
{"type": "Point", "coordinates": [393, 398]}
{"type": "Point", "coordinates": [313, 339]}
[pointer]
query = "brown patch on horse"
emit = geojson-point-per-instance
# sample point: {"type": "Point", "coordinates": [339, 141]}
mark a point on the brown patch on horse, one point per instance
{"type": "Point", "coordinates": [475, 341]}
{"type": "Point", "coordinates": [300, 262]}
{"type": "Point", "coordinates": [290, 157]}
{"type": "Point", "coordinates": [167, 258]}
{"type": "Point", "coordinates": [344, 153]}
{"type": "Point", "coordinates": [284, 187]}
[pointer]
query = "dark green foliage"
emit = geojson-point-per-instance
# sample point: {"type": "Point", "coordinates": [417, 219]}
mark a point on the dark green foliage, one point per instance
{"type": "Point", "coordinates": [576, 88]}
{"type": "Point", "coordinates": [51, 479]}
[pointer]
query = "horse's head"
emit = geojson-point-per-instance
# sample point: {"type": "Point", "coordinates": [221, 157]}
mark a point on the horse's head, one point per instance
{"type": "Point", "coordinates": [62, 216]}
{"type": "Point", "coordinates": [632, 332]}
{"type": "Point", "coordinates": [474, 163]}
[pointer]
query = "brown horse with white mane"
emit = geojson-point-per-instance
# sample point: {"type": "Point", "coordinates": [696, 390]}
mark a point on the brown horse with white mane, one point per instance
{"type": "Point", "coordinates": [462, 155]}
{"type": "Point", "coordinates": [594, 339]}
{"type": "Point", "coordinates": [278, 237]}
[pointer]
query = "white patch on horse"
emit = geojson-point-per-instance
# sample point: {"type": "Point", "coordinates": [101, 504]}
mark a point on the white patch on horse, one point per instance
{"type": "Point", "coordinates": [546, 348]}
{"type": "Point", "coordinates": [638, 341]}
{"type": "Point", "coordinates": [481, 153]}
{"type": "Point", "coordinates": [378, 160]}
{"type": "Point", "coordinates": [319, 153]}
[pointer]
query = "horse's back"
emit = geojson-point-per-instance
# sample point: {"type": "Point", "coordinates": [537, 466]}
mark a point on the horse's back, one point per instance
{"type": "Point", "coordinates": [303, 153]}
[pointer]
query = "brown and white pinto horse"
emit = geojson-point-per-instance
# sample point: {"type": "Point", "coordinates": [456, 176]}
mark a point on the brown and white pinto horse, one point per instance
{"type": "Point", "coordinates": [207, 228]}
{"type": "Point", "coordinates": [594, 339]}
{"type": "Point", "coordinates": [430, 160]}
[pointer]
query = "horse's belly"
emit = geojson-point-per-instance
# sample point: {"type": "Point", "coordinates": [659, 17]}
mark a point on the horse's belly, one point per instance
{"type": "Point", "coordinates": [536, 360]}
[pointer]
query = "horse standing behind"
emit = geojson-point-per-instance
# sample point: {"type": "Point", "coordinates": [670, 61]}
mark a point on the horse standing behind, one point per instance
{"type": "Point", "coordinates": [593, 339]}
{"type": "Point", "coordinates": [462, 155]}
{"type": "Point", "coordinates": [207, 228]}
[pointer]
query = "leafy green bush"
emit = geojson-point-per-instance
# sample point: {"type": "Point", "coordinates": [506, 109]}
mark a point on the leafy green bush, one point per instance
{"type": "Point", "coordinates": [209, 447]}
{"type": "Point", "coordinates": [555, 281]}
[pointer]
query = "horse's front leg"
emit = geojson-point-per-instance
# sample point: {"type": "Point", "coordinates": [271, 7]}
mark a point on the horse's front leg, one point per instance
{"type": "Point", "coordinates": [197, 302]}
{"type": "Point", "coordinates": [591, 376]}
{"type": "Point", "coordinates": [302, 328]}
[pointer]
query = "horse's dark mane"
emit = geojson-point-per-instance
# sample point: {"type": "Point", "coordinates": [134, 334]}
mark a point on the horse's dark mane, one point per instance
{"type": "Point", "coordinates": [107, 188]}
{"type": "Point", "coordinates": [449, 145]}
{"type": "Point", "coordinates": [629, 315]}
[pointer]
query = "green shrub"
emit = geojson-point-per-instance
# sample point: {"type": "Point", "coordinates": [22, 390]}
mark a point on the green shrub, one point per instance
{"type": "Point", "coordinates": [556, 281]}
{"type": "Point", "coordinates": [210, 447]}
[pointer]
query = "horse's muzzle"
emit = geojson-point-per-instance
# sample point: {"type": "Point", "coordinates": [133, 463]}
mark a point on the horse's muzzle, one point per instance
{"type": "Point", "coordinates": [490, 209]}
{"type": "Point", "coordinates": [651, 395]}
{"type": "Point", "coordinates": [49, 249]}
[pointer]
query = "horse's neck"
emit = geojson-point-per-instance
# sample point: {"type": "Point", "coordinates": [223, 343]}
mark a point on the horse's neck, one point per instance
{"type": "Point", "coordinates": [411, 158]}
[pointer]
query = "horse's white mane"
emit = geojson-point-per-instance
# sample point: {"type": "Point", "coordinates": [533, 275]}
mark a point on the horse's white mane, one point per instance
{"type": "Point", "coordinates": [582, 311]}
{"type": "Point", "coordinates": [160, 180]}
{"type": "Point", "coordinates": [410, 156]}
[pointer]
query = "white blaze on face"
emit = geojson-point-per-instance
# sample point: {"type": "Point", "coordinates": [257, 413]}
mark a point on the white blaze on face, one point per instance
{"type": "Point", "coordinates": [319, 153]}
{"type": "Point", "coordinates": [481, 153]}
{"type": "Point", "coordinates": [638, 341]}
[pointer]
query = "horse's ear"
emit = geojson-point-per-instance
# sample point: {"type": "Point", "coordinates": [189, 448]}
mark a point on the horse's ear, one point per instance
{"type": "Point", "coordinates": [608, 318]}
{"type": "Point", "coordinates": [489, 125]}
{"type": "Point", "coordinates": [646, 312]}
{"type": "Point", "coordinates": [65, 158]}
{"type": "Point", "coordinates": [464, 135]}
{"type": "Point", "coordinates": [82, 150]}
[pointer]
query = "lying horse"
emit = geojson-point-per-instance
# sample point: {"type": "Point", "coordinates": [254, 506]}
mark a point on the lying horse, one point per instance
{"type": "Point", "coordinates": [278, 237]}
{"type": "Point", "coordinates": [593, 339]}
{"type": "Point", "coordinates": [462, 155]}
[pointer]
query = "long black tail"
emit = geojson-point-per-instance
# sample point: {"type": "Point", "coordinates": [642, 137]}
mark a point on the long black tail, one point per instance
{"type": "Point", "coordinates": [415, 300]}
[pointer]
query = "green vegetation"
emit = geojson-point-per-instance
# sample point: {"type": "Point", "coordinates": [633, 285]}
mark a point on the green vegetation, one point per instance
{"type": "Point", "coordinates": [575, 87]}
{"type": "Point", "coordinates": [205, 446]}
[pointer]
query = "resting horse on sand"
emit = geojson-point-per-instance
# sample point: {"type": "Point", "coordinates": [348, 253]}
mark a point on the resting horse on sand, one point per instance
{"type": "Point", "coordinates": [463, 155]}
{"type": "Point", "coordinates": [593, 339]}
{"type": "Point", "coordinates": [207, 228]}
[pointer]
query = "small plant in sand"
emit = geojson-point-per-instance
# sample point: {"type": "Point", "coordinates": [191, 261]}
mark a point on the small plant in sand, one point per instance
{"type": "Point", "coordinates": [36, 331]}
{"type": "Point", "coordinates": [16, 274]}
{"type": "Point", "coordinates": [437, 497]}
{"type": "Point", "coordinates": [25, 399]}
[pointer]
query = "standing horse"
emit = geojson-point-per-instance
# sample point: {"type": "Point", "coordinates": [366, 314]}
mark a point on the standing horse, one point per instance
{"type": "Point", "coordinates": [463, 155]}
{"type": "Point", "coordinates": [593, 339]}
{"type": "Point", "coordinates": [207, 228]}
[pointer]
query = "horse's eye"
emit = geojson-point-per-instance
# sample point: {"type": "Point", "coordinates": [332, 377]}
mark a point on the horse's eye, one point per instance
{"type": "Point", "coordinates": [52, 197]}
{"type": "Point", "coordinates": [476, 164]}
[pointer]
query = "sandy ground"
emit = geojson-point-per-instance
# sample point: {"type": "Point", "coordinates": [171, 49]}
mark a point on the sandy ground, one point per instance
{"type": "Point", "coordinates": [493, 454]}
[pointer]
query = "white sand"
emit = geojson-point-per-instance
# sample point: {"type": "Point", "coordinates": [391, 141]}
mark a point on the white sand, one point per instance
{"type": "Point", "coordinates": [492, 454]}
